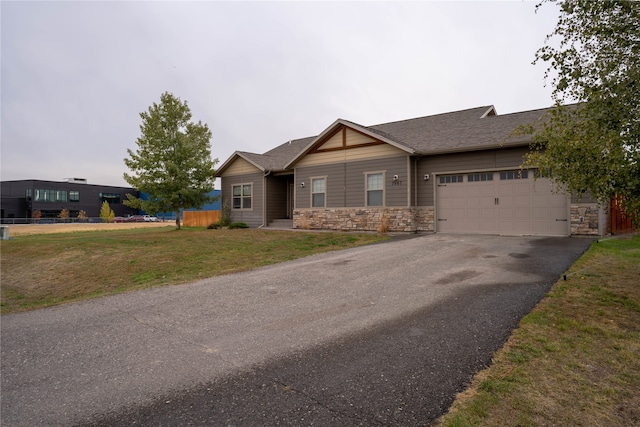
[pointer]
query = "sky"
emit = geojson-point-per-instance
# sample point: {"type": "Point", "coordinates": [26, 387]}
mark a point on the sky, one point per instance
{"type": "Point", "coordinates": [75, 76]}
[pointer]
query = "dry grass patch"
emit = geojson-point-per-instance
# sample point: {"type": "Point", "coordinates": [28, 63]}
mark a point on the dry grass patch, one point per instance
{"type": "Point", "coordinates": [575, 359]}
{"type": "Point", "coordinates": [42, 270]}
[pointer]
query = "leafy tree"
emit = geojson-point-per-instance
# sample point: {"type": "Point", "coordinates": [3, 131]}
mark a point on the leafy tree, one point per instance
{"type": "Point", "coordinates": [82, 215]}
{"type": "Point", "coordinates": [106, 213]}
{"type": "Point", "coordinates": [591, 139]}
{"type": "Point", "coordinates": [173, 161]}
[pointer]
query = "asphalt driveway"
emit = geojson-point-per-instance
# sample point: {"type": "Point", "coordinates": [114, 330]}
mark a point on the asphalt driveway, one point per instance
{"type": "Point", "coordinates": [378, 335]}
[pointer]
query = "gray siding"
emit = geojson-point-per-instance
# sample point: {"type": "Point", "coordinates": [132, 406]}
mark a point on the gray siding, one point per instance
{"type": "Point", "coordinates": [252, 217]}
{"type": "Point", "coordinates": [346, 182]}
{"type": "Point", "coordinates": [477, 160]}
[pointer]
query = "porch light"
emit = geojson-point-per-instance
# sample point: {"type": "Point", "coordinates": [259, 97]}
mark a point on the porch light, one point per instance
{"type": "Point", "coordinates": [302, 184]}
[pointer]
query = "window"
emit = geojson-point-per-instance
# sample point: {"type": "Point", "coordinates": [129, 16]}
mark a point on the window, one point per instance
{"type": "Point", "coordinates": [242, 195]}
{"type": "Point", "coordinates": [41, 195]}
{"type": "Point", "coordinates": [450, 179]}
{"type": "Point", "coordinates": [375, 189]}
{"type": "Point", "coordinates": [524, 174]}
{"type": "Point", "coordinates": [479, 177]}
{"type": "Point", "coordinates": [318, 191]}
{"type": "Point", "coordinates": [27, 194]}
{"type": "Point", "coordinates": [74, 196]}
{"type": "Point", "coordinates": [109, 198]}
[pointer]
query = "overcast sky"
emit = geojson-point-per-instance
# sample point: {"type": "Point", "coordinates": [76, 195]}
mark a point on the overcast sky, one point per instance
{"type": "Point", "coordinates": [76, 75]}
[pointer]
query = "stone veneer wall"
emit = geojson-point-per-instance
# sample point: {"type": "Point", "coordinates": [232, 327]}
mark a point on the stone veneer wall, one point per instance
{"type": "Point", "coordinates": [364, 219]}
{"type": "Point", "coordinates": [585, 219]}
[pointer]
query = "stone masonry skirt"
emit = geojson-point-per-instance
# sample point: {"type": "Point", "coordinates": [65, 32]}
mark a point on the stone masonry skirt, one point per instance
{"type": "Point", "coordinates": [365, 219]}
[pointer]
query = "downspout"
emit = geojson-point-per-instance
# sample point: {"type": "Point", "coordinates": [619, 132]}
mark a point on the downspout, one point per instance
{"type": "Point", "coordinates": [264, 199]}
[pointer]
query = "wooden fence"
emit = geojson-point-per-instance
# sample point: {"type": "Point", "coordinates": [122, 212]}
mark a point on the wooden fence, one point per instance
{"type": "Point", "coordinates": [200, 218]}
{"type": "Point", "coordinates": [620, 221]}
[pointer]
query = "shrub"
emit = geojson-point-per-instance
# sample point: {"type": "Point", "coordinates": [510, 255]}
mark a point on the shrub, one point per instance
{"type": "Point", "coordinates": [238, 225]}
{"type": "Point", "coordinates": [82, 216]}
{"type": "Point", "coordinates": [225, 215]}
{"type": "Point", "coordinates": [384, 225]}
{"type": "Point", "coordinates": [214, 226]}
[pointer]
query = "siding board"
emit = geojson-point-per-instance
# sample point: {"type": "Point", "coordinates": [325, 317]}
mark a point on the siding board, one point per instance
{"type": "Point", "coordinates": [252, 217]}
{"type": "Point", "coordinates": [346, 182]}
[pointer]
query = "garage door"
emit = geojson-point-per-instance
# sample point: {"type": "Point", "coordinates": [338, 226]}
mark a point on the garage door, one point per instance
{"type": "Point", "coordinates": [507, 202]}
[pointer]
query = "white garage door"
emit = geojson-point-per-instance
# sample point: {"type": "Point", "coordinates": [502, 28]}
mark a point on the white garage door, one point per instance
{"type": "Point", "coordinates": [507, 202]}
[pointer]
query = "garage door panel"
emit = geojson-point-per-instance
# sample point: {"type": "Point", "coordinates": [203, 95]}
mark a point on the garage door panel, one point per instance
{"type": "Point", "coordinates": [514, 205]}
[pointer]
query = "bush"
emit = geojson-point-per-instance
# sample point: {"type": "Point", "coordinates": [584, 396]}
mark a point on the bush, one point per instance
{"type": "Point", "coordinates": [238, 225]}
{"type": "Point", "coordinates": [214, 226]}
{"type": "Point", "coordinates": [225, 217]}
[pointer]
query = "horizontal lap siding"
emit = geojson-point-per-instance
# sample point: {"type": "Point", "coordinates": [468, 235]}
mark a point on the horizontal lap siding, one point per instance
{"type": "Point", "coordinates": [472, 161]}
{"type": "Point", "coordinates": [252, 217]}
{"type": "Point", "coordinates": [346, 182]}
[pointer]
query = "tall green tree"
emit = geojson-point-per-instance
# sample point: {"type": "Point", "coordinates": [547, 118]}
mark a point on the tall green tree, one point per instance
{"type": "Point", "coordinates": [173, 163]}
{"type": "Point", "coordinates": [591, 139]}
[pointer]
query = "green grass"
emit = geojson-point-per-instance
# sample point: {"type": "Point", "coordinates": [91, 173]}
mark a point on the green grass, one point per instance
{"type": "Point", "coordinates": [42, 270]}
{"type": "Point", "coordinates": [575, 359]}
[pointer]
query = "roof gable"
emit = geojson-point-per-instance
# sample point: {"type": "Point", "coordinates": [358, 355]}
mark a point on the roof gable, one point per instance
{"type": "Point", "coordinates": [345, 135]}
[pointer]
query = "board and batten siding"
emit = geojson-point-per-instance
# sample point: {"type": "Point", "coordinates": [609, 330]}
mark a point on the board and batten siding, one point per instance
{"type": "Point", "coordinates": [503, 158]}
{"type": "Point", "coordinates": [252, 217]}
{"type": "Point", "coordinates": [345, 182]}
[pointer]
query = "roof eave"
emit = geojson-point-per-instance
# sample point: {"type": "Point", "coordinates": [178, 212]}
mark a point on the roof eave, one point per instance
{"type": "Point", "coordinates": [475, 148]}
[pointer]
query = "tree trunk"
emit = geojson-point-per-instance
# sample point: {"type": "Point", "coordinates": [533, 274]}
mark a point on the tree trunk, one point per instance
{"type": "Point", "coordinates": [178, 220]}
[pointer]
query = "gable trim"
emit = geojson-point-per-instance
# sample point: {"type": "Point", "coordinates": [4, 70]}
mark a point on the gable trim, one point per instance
{"type": "Point", "coordinates": [342, 125]}
{"type": "Point", "coordinates": [343, 146]}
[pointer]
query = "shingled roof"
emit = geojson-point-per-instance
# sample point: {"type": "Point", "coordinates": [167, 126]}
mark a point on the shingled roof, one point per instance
{"type": "Point", "coordinates": [467, 130]}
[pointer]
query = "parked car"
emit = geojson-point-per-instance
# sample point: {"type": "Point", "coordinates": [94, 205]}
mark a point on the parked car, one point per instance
{"type": "Point", "coordinates": [150, 218]}
{"type": "Point", "coordinates": [135, 218]}
{"type": "Point", "coordinates": [119, 219]}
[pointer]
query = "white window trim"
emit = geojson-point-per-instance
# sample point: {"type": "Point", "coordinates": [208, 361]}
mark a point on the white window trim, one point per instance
{"type": "Point", "coordinates": [241, 197]}
{"type": "Point", "coordinates": [311, 193]}
{"type": "Point", "coordinates": [384, 188]}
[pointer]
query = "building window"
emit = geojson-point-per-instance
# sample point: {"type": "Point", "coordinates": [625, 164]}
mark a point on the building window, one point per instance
{"type": "Point", "coordinates": [519, 174]}
{"type": "Point", "coordinates": [479, 177]}
{"type": "Point", "coordinates": [61, 196]}
{"type": "Point", "coordinates": [74, 196]}
{"type": "Point", "coordinates": [109, 198]}
{"type": "Point", "coordinates": [318, 192]}
{"type": "Point", "coordinates": [451, 179]}
{"type": "Point", "coordinates": [375, 189]}
{"type": "Point", "coordinates": [242, 195]}
{"type": "Point", "coordinates": [27, 194]}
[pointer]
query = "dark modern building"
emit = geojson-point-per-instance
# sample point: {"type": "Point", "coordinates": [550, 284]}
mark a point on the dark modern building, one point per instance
{"type": "Point", "coordinates": [20, 199]}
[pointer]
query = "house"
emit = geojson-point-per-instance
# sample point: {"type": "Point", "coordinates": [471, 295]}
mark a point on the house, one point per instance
{"type": "Point", "coordinates": [454, 172]}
